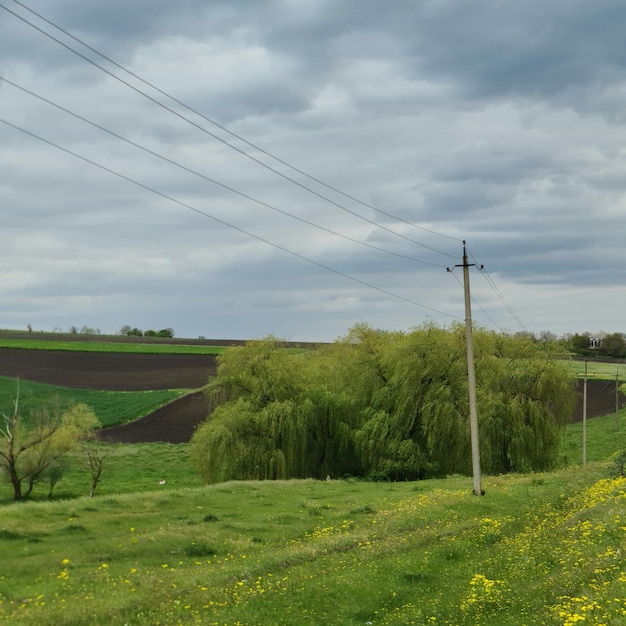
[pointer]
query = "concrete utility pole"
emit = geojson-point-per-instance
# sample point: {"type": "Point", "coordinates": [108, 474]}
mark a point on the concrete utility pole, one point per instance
{"type": "Point", "coordinates": [471, 375]}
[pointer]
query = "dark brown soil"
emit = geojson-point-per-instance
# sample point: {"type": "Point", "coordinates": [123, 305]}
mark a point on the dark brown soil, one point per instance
{"type": "Point", "coordinates": [173, 423]}
{"type": "Point", "coordinates": [176, 422]}
{"type": "Point", "coordinates": [110, 371]}
{"type": "Point", "coordinates": [600, 399]}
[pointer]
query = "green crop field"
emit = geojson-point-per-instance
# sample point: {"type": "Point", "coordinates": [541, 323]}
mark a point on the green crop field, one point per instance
{"type": "Point", "coordinates": [111, 407]}
{"type": "Point", "coordinates": [107, 346]}
{"type": "Point", "coordinates": [597, 369]}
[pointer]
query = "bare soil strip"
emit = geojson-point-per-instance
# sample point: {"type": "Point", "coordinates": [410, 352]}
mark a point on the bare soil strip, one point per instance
{"type": "Point", "coordinates": [173, 423]}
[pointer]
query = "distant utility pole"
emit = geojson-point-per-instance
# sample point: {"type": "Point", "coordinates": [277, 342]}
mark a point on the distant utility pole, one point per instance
{"type": "Point", "coordinates": [617, 398]}
{"type": "Point", "coordinates": [585, 417]}
{"type": "Point", "coordinates": [471, 375]}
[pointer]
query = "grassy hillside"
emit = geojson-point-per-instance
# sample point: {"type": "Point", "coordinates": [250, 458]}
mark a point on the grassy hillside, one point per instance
{"type": "Point", "coordinates": [156, 547]}
{"type": "Point", "coordinates": [536, 549]}
{"type": "Point", "coordinates": [604, 436]}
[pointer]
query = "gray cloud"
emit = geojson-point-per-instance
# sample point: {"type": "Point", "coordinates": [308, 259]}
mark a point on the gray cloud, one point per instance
{"type": "Point", "coordinates": [499, 124]}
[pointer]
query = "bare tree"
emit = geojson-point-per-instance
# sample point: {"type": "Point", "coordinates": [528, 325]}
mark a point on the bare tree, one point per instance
{"type": "Point", "coordinates": [95, 463]}
{"type": "Point", "coordinates": [87, 330]}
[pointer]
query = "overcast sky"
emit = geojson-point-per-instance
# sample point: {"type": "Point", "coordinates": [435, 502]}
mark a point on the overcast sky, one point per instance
{"type": "Point", "coordinates": [499, 123]}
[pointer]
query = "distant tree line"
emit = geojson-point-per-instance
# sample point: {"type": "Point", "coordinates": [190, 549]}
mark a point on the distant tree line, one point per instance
{"type": "Point", "coordinates": [125, 330]}
{"type": "Point", "coordinates": [85, 330]}
{"type": "Point", "coordinates": [382, 404]}
{"type": "Point", "coordinates": [612, 345]}
{"type": "Point", "coordinates": [137, 332]}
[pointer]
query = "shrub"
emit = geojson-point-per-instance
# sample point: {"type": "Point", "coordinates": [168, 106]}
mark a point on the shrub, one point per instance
{"type": "Point", "coordinates": [618, 463]}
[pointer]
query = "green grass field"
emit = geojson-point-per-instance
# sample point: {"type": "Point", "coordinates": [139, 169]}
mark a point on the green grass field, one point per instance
{"type": "Point", "coordinates": [532, 551]}
{"type": "Point", "coordinates": [107, 346]}
{"type": "Point", "coordinates": [597, 369]}
{"type": "Point", "coordinates": [536, 549]}
{"type": "Point", "coordinates": [111, 407]}
{"type": "Point", "coordinates": [605, 435]}
{"type": "Point", "coordinates": [128, 468]}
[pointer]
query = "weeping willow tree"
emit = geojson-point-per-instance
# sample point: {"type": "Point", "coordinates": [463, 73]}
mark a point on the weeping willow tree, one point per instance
{"type": "Point", "coordinates": [420, 425]}
{"type": "Point", "coordinates": [415, 427]}
{"type": "Point", "coordinates": [525, 397]}
{"type": "Point", "coordinates": [274, 418]}
{"type": "Point", "coordinates": [377, 401]}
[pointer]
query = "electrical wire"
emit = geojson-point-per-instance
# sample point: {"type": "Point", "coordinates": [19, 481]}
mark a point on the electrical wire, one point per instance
{"type": "Point", "coordinates": [218, 220]}
{"type": "Point", "coordinates": [226, 130]}
{"type": "Point", "coordinates": [498, 293]}
{"type": "Point", "coordinates": [508, 307]}
{"type": "Point", "coordinates": [209, 179]}
{"type": "Point", "coordinates": [478, 304]}
{"type": "Point", "coordinates": [214, 136]}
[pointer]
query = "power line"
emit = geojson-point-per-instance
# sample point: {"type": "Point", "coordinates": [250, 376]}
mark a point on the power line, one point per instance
{"type": "Point", "coordinates": [502, 299]}
{"type": "Point", "coordinates": [478, 304]}
{"type": "Point", "coordinates": [226, 130]}
{"type": "Point", "coordinates": [209, 179]}
{"type": "Point", "coordinates": [213, 135]}
{"type": "Point", "coordinates": [218, 220]}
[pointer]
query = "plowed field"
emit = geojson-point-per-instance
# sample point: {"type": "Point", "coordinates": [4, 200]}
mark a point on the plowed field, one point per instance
{"type": "Point", "coordinates": [109, 371]}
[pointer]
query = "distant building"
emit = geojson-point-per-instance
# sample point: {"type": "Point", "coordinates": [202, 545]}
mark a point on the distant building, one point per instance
{"type": "Point", "coordinates": [595, 340]}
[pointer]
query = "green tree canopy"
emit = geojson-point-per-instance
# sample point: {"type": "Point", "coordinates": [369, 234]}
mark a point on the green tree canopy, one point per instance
{"type": "Point", "coordinates": [382, 402]}
{"type": "Point", "coordinates": [30, 444]}
{"type": "Point", "coordinates": [614, 345]}
{"type": "Point", "coordinates": [273, 418]}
